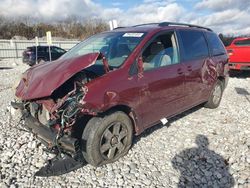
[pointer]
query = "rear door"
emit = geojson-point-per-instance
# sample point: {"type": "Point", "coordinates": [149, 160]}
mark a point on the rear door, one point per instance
{"type": "Point", "coordinates": [195, 58]}
{"type": "Point", "coordinates": [218, 59]}
{"type": "Point", "coordinates": [162, 82]}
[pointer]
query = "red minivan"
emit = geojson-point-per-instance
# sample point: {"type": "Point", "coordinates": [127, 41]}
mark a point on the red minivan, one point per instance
{"type": "Point", "coordinates": [239, 54]}
{"type": "Point", "coordinates": [89, 103]}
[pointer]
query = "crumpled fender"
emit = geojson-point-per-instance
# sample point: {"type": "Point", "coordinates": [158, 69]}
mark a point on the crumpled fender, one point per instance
{"type": "Point", "coordinates": [41, 80]}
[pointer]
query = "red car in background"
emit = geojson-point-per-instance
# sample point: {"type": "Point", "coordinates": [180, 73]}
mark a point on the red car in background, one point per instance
{"type": "Point", "coordinates": [239, 54]}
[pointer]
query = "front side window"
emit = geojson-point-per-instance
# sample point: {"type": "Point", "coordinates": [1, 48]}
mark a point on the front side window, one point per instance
{"type": "Point", "coordinates": [162, 51]}
{"type": "Point", "coordinates": [216, 46]}
{"type": "Point", "coordinates": [115, 46]}
{"type": "Point", "coordinates": [194, 45]}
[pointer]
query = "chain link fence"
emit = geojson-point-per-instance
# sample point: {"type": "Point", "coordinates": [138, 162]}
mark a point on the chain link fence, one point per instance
{"type": "Point", "coordinates": [15, 48]}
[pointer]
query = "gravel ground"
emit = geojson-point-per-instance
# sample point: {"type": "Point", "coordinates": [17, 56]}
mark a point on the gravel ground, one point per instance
{"type": "Point", "coordinates": [201, 147]}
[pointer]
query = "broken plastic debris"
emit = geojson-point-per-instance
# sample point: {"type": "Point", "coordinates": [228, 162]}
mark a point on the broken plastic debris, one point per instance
{"type": "Point", "coordinates": [59, 166]}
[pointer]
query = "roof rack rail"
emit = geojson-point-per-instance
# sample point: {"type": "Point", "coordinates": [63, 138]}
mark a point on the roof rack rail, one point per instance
{"type": "Point", "coordinates": [118, 28]}
{"type": "Point", "coordinates": [145, 24]}
{"type": "Point", "coordinates": [182, 24]}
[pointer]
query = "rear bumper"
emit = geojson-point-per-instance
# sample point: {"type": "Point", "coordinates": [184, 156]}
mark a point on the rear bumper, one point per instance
{"type": "Point", "coordinates": [239, 66]}
{"type": "Point", "coordinates": [47, 135]}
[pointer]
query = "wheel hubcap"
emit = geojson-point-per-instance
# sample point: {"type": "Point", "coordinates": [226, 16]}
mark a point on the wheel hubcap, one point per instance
{"type": "Point", "coordinates": [113, 140]}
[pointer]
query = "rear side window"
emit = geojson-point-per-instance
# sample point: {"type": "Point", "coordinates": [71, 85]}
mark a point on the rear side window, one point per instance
{"type": "Point", "coordinates": [194, 45]}
{"type": "Point", "coordinates": [215, 44]}
{"type": "Point", "coordinates": [242, 42]}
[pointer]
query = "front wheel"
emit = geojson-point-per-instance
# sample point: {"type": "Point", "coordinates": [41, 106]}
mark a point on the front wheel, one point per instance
{"type": "Point", "coordinates": [215, 96]}
{"type": "Point", "coordinates": [107, 139]}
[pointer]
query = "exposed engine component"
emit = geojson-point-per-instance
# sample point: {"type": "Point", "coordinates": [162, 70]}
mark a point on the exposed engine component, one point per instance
{"type": "Point", "coordinates": [70, 108]}
{"type": "Point", "coordinates": [57, 116]}
{"type": "Point", "coordinates": [65, 105]}
{"type": "Point", "coordinates": [71, 104]}
{"type": "Point", "coordinates": [77, 82]}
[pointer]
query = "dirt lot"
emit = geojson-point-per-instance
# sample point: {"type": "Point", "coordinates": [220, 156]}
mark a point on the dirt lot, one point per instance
{"type": "Point", "coordinates": [199, 147]}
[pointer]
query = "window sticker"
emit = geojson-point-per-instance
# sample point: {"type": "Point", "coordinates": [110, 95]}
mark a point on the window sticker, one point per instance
{"type": "Point", "coordinates": [133, 34]}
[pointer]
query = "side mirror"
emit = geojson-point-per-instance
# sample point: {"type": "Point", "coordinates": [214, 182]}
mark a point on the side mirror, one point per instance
{"type": "Point", "coordinates": [140, 67]}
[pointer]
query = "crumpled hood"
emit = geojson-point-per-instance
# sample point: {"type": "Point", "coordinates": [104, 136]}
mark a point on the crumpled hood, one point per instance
{"type": "Point", "coordinates": [42, 79]}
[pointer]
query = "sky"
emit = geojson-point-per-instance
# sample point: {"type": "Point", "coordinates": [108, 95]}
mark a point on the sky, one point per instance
{"type": "Point", "coordinates": [223, 16]}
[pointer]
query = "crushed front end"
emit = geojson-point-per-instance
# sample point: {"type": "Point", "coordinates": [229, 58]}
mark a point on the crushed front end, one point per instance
{"type": "Point", "coordinates": [51, 122]}
{"type": "Point", "coordinates": [54, 124]}
{"type": "Point", "coordinates": [55, 118]}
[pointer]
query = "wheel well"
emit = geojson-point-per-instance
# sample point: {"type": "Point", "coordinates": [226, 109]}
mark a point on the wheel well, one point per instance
{"type": "Point", "coordinates": [82, 121]}
{"type": "Point", "coordinates": [127, 110]}
{"type": "Point", "coordinates": [222, 79]}
{"type": "Point", "coordinates": [122, 108]}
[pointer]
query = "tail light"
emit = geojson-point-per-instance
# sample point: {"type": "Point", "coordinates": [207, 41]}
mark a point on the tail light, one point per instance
{"type": "Point", "coordinates": [230, 52]}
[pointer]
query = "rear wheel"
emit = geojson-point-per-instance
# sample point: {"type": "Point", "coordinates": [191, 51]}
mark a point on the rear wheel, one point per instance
{"type": "Point", "coordinates": [108, 138]}
{"type": "Point", "coordinates": [215, 96]}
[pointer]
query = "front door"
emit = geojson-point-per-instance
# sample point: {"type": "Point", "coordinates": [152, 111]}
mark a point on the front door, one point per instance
{"type": "Point", "coordinates": [162, 81]}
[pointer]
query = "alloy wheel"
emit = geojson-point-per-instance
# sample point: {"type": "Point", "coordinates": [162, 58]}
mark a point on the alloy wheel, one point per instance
{"type": "Point", "coordinates": [113, 140]}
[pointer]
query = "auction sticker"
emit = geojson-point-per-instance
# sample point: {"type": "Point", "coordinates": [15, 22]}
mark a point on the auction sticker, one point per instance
{"type": "Point", "coordinates": [133, 34]}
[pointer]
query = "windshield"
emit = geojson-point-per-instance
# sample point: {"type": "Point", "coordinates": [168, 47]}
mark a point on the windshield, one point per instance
{"type": "Point", "coordinates": [115, 46]}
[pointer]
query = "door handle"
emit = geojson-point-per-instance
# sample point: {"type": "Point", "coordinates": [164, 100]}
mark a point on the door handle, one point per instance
{"type": "Point", "coordinates": [179, 71]}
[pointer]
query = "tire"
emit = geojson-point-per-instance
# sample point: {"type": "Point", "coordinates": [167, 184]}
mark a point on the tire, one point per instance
{"type": "Point", "coordinates": [215, 96]}
{"type": "Point", "coordinates": [107, 139]}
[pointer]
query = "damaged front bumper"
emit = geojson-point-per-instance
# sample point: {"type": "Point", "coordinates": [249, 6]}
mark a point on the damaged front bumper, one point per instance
{"type": "Point", "coordinates": [72, 158]}
{"type": "Point", "coordinates": [47, 135]}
